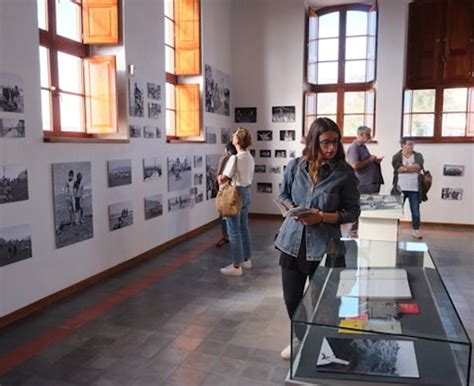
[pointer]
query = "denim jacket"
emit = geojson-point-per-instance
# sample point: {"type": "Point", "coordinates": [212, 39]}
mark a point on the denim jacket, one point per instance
{"type": "Point", "coordinates": [336, 191]}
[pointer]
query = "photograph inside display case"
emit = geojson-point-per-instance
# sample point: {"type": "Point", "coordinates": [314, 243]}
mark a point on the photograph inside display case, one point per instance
{"type": "Point", "coordinates": [379, 201]}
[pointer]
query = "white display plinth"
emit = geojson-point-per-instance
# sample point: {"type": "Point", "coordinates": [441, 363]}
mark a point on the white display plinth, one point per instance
{"type": "Point", "coordinates": [379, 224]}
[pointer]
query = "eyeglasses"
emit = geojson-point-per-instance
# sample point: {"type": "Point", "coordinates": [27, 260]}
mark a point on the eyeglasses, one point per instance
{"type": "Point", "coordinates": [327, 143]}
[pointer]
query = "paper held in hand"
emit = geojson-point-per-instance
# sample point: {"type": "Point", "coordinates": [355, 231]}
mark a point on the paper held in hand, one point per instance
{"type": "Point", "coordinates": [288, 211]}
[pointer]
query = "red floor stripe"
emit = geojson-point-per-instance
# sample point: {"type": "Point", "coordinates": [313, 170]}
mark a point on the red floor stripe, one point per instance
{"type": "Point", "coordinates": [17, 356]}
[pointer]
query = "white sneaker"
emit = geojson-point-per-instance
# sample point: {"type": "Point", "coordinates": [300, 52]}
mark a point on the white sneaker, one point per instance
{"type": "Point", "coordinates": [247, 264]}
{"type": "Point", "coordinates": [416, 235]}
{"type": "Point", "coordinates": [286, 352]}
{"type": "Point", "coordinates": [230, 270]}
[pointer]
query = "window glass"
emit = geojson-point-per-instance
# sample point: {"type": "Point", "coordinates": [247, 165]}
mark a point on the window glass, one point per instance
{"type": "Point", "coordinates": [327, 103]}
{"type": "Point", "coordinates": [333, 117]}
{"type": "Point", "coordinates": [46, 109]}
{"type": "Point", "coordinates": [42, 14]}
{"type": "Point", "coordinates": [68, 20]}
{"type": "Point", "coordinates": [355, 71]}
{"type": "Point", "coordinates": [351, 123]}
{"type": "Point", "coordinates": [169, 10]}
{"type": "Point", "coordinates": [455, 99]}
{"type": "Point", "coordinates": [72, 112]}
{"type": "Point", "coordinates": [312, 27]}
{"type": "Point", "coordinates": [423, 101]}
{"type": "Point", "coordinates": [329, 25]}
{"type": "Point", "coordinates": [356, 48]}
{"type": "Point", "coordinates": [70, 73]}
{"type": "Point", "coordinates": [44, 67]}
{"type": "Point", "coordinates": [312, 51]}
{"type": "Point", "coordinates": [169, 60]}
{"type": "Point", "coordinates": [454, 124]}
{"type": "Point", "coordinates": [354, 102]}
{"type": "Point", "coordinates": [328, 49]}
{"type": "Point", "coordinates": [169, 32]}
{"type": "Point", "coordinates": [170, 96]}
{"type": "Point", "coordinates": [310, 104]}
{"type": "Point", "coordinates": [422, 125]}
{"type": "Point", "coordinates": [327, 73]}
{"type": "Point", "coordinates": [356, 23]}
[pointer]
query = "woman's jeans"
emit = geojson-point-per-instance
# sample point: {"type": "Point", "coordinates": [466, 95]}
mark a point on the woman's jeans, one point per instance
{"type": "Point", "coordinates": [238, 228]}
{"type": "Point", "coordinates": [414, 200]}
{"type": "Point", "coordinates": [224, 227]}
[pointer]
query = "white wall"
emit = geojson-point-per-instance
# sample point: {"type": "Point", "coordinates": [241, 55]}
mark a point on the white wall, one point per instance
{"type": "Point", "coordinates": [51, 269]}
{"type": "Point", "coordinates": [267, 64]}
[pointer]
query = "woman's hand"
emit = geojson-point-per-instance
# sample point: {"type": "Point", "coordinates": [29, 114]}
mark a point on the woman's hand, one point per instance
{"type": "Point", "coordinates": [310, 218]}
{"type": "Point", "coordinates": [221, 179]}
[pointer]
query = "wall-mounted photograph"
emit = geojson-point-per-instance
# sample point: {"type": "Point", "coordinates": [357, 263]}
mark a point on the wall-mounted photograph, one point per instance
{"type": "Point", "coordinates": [280, 153]}
{"type": "Point", "coordinates": [158, 132]}
{"type": "Point", "coordinates": [149, 132]}
{"type": "Point", "coordinates": [135, 131]}
{"type": "Point", "coordinates": [154, 110]}
{"type": "Point", "coordinates": [265, 153]}
{"type": "Point", "coordinates": [283, 114]}
{"type": "Point", "coordinates": [260, 168]}
{"type": "Point", "coordinates": [179, 173]}
{"type": "Point", "coordinates": [184, 201]}
{"type": "Point", "coordinates": [198, 161]}
{"type": "Point", "coordinates": [211, 136]}
{"type": "Point", "coordinates": [173, 204]}
{"type": "Point", "coordinates": [153, 206]}
{"type": "Point", "coordinates": [72, 202]}
{"type": "Point", "coordinates": [153, 91]}
{"type": "Point", "coordinates": [136, 103]}
{"type": "Point", "coordinates": [453, 170]}
{"type": "Point", "coordinates": [12, 128]}
{"type": "Point", "coordinates": [212, 161]}
{"type": "Point", "coordinates": [199, 197]}
{"type": "Point", "coordinates": [198, 179]}
{"type": "Point", "coordinates": [217, 91]}
{"type": "Point", "coordinates": [252, 152]}
{"type": "Point", "coordinates": [119, 172]}
{"type": "Point", "coordinates": [15, 244]}
{"type": "Point", "coordinates": [13, 183]}
{"type": "Point", "coordinates": [264, 187]}
{"type": "Point", "coordinates": [226, 135]}
{"type": "Point", "coordinates": [292, 153]}
{"type": "Point", "coordinates": [120, 215]}
{"type": "Point", "coordinates": [11, 93]}
{"type": "Point", "coordinates": [287, 135]}
{"type": "Point", "coordinates": [264, 135]}
{"type": "Point", "coordinates": [246, 114]}
{"type": "Point", "coordinates": [152, 169]}
{"type": "Point", "coordinates": [451, 194]}
{"type": "Point", "coordinates": [274, 169]}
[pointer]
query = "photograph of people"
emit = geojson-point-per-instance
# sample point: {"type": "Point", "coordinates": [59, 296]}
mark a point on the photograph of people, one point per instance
{"type": "Point", "coordinates": [321, 179]}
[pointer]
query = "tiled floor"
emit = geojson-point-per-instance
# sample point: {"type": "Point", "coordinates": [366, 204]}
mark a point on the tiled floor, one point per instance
{"type": "Point", "coordinates": [189, 325]}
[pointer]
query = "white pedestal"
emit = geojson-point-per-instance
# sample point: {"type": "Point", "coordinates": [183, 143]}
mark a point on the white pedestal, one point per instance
{"type": "Point", "coordinates": [379, 224]}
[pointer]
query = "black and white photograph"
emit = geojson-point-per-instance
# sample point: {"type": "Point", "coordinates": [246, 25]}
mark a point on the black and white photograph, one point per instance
{"type": "Point", "coordinates": [264, 187]}
{"type": "Point", "coordinates": [226, 135]}
{"type": "Point", "coordinates": [274, 169]}
{"type": "Point", "coordinates": [15, 244]}
{"type": "Point", "coordinates": [454, 194]}
{"type": "Point", "coordinates": [153, 206]}
{"type": "Point", "coordinates": [252, 152]}
{"type": "Point", "coordinates": [135, 131]}
{"type": "Point", "coordinates": [153, 91]}
{"type": "Point", "coordinates": [211, 136]}
{"type": "Point", "coordinates": [198, 179]}
{"type": "Point", "coordinates": [283, 114]}
{"type": "Point", "coordinates": [120, 215]}
{"type": "Point", "coordinates": [173, 204]}
{"type": "Point", "coordinates": [154, 110]}
{"type": "Point", "coordinates": [217, 91]}
{"type": "Point", "coordinates": [389, 358]}
{"type": "Point", "coordinates": [72, 202]}
{"type": "Point", "coordinates": [12, 128]}
{"type": "Point", "coordinates": [152, 169]}
{"type": "Point", "coordinates": [119, 172]}
{"type": "Point", "coordinates": [212, 161]}
{"type": "Point", "coordinates": [287, 135]}
{"type": "Point", "coordinates": [260, 168]}
{"type": "Point", "coordinates": [199, 197]}
{"type": "Point", "coordinates": [13, 183]}
{"type": "Point", "coordinates": [158, 132]}
{"type": "Point", "coordinates": [184, 201]}
{"type": "Point", "coordinates": [11, 93]}
{"type": "Point", "coordinates": [148, 132]}
{"type": "Point", "coordinates": [264, 135]}
{"type": "Point", "coordinates": [292, 153]}
{"type": "Point", "coordinates": [453, 170]}
{"type": "Point", "coordinates": [198, 161]}
{"type": "Point", "coordinates": [245, 114]}
{"type": "Point", "coordinates": [136, 103]}
{"type": "Point", "coordinates": [179, 173]}
{"type": "Point", "coordinates": [265, 153]}
{"type": "Point", "coordinates": [280, 153]}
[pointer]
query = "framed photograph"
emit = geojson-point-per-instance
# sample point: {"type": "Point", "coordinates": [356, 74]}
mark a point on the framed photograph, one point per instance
{"type": "Point", "coordinates": [274, 169]}
{"type": "Point", "coordinates": [198, 178]}
{"type": "Point", "coordinates": [246, 114]}
{"type": "Point", "coordinates": [12, 128]}
{"type": "Point", "coordinates": [135, 131]}
{"type": "Point", "coordinates": [226, 135]}
{"type": "Point", "coordinates": [217, 91]}
{"type": "Point", "coordinates": [11, 93]}
{"type": "Point", "coordinates": [15, 244]}
{"type": "Point", "coordinates": [287, 135]}
{"type": "Point", "coordinates": [136, 103]}
{"type": "Point", "coordinates": [264, 135]}
{"type": "Point", "coordinates": [158, 132]}
{"type": "Point", "coordinates": [211, 136]}
{"type": "Point", "coordinates": [149, 132]}
{"type": "Point", "coordinates": [184, 201]}
{"type": "Point", "coordinates": [119, 172]}
{"type": "Point", "coordinates": [252, 152]}
{"type": "Point", "coordinates": [153, 91]}
{"type": "Point", "coordinates": [120, 215]}
{"type": "Point", "coordinates": [199, 197]}
{"type": "Point", "coordinates": [154, 110]}
{"type": "Point", "coordinates": [292, 153]}
{"type": "Point", "coordinates": [153, 206]}
{"type": "Point", "coordinates": [173, 204]}
{"type": "Point", "coordinates": [280, 153]}
{"type": "Point", "coordinates": [13, 183]}
{"type": "Point", "coordinates": [264, 187]}
{"type": "Point", "coordinates": [179, 173]}
{"type": "Point", "coordinates": [454, 194]}
{"type": "Point", "coordinates": [72, 202]}
{"type": "Point", "coordinates": [265, 153]}
{"type": "Point", "coordinates": [453, 170]}
{"type": "Point", "coordinates": [283, 114]}
{"type": "Point", "coordinates": [198, 161]}
{"type": "Point", "coordinates": [152, 169]}
{"type": "Point", "coordinates": [212, 161]}
{"type": "Point", "coordinates": [260, 168]}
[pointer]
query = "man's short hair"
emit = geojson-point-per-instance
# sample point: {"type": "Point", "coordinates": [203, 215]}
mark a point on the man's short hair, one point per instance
{"type": "Point", "coordinates": [363, 129]}
{"type": "Point", "coordinates": [404, 140]}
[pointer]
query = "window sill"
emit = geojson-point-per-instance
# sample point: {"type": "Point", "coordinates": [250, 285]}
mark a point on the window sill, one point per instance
{"type": "Point", "coordinates": [184, 140]}
{"type": "Point", "coordinates": [85, 140]}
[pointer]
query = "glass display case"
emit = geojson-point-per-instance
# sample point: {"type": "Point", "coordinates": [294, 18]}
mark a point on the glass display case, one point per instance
{"type": "Point", "coordinates": [378, 312]}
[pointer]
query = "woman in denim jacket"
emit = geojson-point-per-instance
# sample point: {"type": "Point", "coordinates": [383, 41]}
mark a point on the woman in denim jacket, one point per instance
{"type": "Point", "coordinates": [320, 179]}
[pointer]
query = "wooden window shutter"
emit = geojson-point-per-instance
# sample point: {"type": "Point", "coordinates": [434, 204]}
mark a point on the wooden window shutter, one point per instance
{"type": "Point", "coordinates": [187, 37]}
{"type": "Point", "coordinates": [188, 117]}
{"type": "Point", "coordinates": [100, 21]}
{"type": "Point", "coordinates": [312, 50]}
{"type": "Point", "coordinates": [101, 98]}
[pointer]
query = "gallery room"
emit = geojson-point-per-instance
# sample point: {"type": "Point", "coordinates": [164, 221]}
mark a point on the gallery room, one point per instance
{"type": "Point", "coordinates": [236, 192]}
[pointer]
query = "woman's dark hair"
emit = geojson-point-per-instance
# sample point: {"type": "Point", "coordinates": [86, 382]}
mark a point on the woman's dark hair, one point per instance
{"type": "Point", "coordinates": [318, 127]}
{"type": "Point", "coordinates": [231, 148]}
{"type": "Point", "coordinates": [404, 140]}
